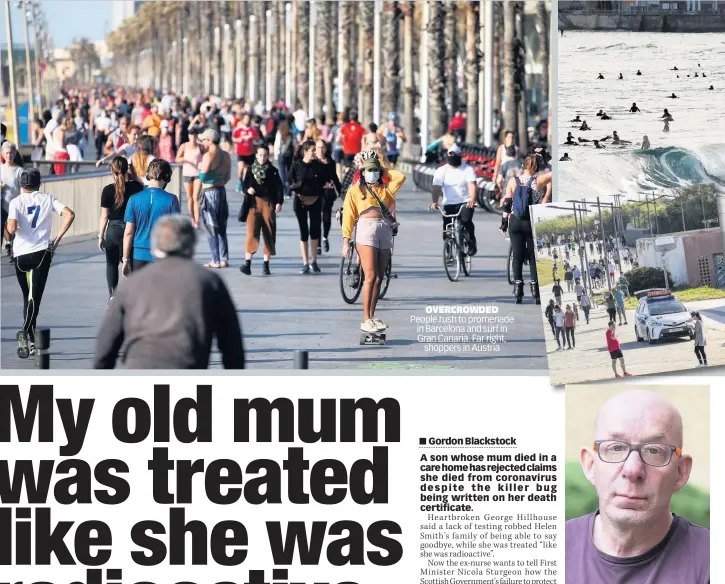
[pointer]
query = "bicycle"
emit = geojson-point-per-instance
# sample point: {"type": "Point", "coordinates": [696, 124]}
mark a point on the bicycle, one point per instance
{"type": "Point", "coordinates": [352, 275]}
{"type": "Point", "coordinates": [456, 246]}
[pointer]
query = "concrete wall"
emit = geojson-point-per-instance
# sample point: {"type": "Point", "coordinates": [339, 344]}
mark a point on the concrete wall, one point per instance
{"type": "Point", "coordinates": [642, 22]}
{"type": "Point", "coordinates": [82, 193]}
{"type": "Point", "coordinates": [675, 259]}
{"type": "Point", "coordinates": [699, 255]}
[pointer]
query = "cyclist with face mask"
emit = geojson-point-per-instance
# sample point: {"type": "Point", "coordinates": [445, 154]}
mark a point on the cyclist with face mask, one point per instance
{"type": "Point", "coordinates": [456, 181]}
{"type": "Point", "coordinates": [373, 185]}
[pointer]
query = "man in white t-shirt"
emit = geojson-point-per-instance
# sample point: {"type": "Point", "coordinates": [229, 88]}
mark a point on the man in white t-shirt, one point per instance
{"type": "Point", "coordinates": [102, 125]}
{"type": "Point", "coordinates": [30, 219]}
{"type": "Point", "coordinates": [9, 182]}
{"type": "Point", "coordinates": [456, 181]}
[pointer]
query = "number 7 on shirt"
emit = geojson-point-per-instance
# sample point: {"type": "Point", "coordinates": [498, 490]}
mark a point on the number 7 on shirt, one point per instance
{"type": "Point", "coordinates": [34, 211]}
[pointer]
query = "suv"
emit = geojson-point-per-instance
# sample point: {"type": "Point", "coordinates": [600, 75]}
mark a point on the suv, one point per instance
{"type": "Point", "coordinates": [661, 316]}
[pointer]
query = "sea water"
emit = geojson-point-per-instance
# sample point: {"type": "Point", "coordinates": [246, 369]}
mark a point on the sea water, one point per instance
{"type": "Point", "coordinates": [694, 149]}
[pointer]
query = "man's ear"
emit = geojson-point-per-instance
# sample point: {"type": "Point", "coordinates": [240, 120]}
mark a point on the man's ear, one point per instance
{"type": "Point", "coordinates": [586, 457]}
{"type": "Point", "coordinates": [684, 467]}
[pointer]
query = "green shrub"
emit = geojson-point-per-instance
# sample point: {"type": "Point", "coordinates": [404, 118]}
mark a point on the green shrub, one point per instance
{"type": "Point", "coordinates": [642, 278]}
{"type": "Point", "coordinates": [580, 498]}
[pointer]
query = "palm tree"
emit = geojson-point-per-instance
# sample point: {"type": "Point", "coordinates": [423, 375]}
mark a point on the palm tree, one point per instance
{"type": "Point", "coordinates": [261, 43]}
{"type": "Point", "coordinates": [209, 52]}
{"type": "Point", "coordinates": [509, 65]}
{"type": "Point", "coordinates": [367, 20]}
{"type": "Point", "coordinates": [521, 102]}
{"type": "Point", "coordinates": [242, 66]}
{"type": "Point", "coordinates": [472, 70]}
{"type": "Point", "coordinates": [436, 76]}
{"type": "Point", "coordinates": [391, 57]}
{"type": "Point", "coordinates": [410, 91]}
{"type": "Point", "coordinates": [451, 54]}
{"type": "Point", "coordinates": [348, 20]}
{"type": "Point", "coordinates": [303, 50]}
{"type": "Point", "coordinates": [542, 28]}
{"type": "Point", "coordinates": [498, 48]}
{"type": "Point", "coordinates": [325, 31]}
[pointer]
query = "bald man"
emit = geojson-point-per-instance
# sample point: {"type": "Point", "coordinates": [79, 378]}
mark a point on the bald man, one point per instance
{"type": "Point", "coordinates": [636, 464]}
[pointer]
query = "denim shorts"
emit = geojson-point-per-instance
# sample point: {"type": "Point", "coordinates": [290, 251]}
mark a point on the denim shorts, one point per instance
{"type": "Point", "coordinates": [374, 232]}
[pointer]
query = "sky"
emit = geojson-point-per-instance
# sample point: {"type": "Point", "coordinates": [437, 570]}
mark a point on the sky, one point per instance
{"type": "Point", "coordinates": [67, 20]}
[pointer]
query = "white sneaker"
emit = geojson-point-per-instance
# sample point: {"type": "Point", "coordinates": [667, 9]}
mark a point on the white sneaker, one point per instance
{"type": "Point", "coordinates": [379, 323]}
{"type": "Point", "coordinates": [369, 326]}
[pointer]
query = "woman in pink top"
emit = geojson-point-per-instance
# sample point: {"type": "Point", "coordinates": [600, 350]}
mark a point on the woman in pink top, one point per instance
{"type": "Point", "coordinates": [190, 154]}
{"type": "Point", "coordinates": [165, 149]}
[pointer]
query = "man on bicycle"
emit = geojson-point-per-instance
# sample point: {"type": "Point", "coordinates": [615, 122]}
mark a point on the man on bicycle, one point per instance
{"type": "Point", "coordinates": [456, 180]}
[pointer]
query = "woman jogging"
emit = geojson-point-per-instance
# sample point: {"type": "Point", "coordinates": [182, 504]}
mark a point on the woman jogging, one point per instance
{"type": "Point", "coordinates": [700, 340]}
{"type": "Point", "coordinates": [190, 154]}
{"type": "Point", "coordinates": [308, 179]}
{"type": "Point", "coordinates": [112, 224]}
{"type": "Point", "coordinates": [370, 202]}
{"type": "Point", "coordinates": [30, 217]}
{"type": "Point", "coordinates": [211, 210]}
{"type": "Point", "coordinates": [321, 151]}
{"type": "Point", "coordinates": [521, 192]}
{"type": "Point", "coordinates": [262, 202]}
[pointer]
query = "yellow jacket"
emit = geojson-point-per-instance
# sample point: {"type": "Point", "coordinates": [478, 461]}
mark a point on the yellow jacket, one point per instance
{"type": "Point", "coordinates": [355, 204]}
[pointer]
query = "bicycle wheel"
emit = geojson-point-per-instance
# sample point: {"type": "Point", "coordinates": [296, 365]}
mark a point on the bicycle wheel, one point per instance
{"type": "Point", "coordinates": [451, 259]}
{"type": "Point", "coordinates": [386, 278]}
{"type": "Point", "coordinates": [510, 265]}
{"type": "Point", "coordinates": [351, 277]}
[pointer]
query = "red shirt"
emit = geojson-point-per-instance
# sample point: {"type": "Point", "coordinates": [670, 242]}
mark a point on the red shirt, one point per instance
{"type": "Point", "coordinates": [352, 134]}
{"type": "Point", "coordinates": [457, 123]}
{"type": "Point", "coordinates": [612, 342]}
{"type": "Point", "coordinates": [247, 136]}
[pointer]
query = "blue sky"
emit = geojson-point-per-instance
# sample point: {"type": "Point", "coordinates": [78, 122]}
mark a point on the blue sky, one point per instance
{"type": "Point", "coordinates": [67, 19]}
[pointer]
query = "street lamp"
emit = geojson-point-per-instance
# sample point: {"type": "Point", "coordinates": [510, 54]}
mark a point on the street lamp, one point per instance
{"type": "Point", "coordinates": [11, 68]}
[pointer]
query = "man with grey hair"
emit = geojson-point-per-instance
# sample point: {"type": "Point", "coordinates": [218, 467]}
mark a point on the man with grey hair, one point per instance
{"type": "Point", "coordinates": [167, 314]}
{"type": "Point", "coordinates": [636, 463]}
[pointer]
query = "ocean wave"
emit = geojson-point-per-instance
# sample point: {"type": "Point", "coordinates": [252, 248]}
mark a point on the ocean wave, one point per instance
{"type": "Point", "coordinates": [632, 172]}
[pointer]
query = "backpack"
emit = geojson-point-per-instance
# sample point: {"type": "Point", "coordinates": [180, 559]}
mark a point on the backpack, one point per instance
{"type": "Point", "coordinates": [523, 197]}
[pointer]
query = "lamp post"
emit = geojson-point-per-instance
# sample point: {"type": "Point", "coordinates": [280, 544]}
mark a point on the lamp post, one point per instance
{"type": "Point", "coordinates": [268, 61]}
{"type": "Point", "coordinates": [28, 66]}
{"type": "Point", "coordinates": [11, 69]}
{"type": "Point", "coordinates": [486, 105]}
{"type": "Point", "coordinates": [187, 65]}
{"type": "Point", "coordinates": [424, 80]}
{"type": "Point", "coordinates": [238, 58]}
{"type": "Point", "coordinates": [340, 74]}
{"type": "Point", "coordinates": [253, 58]}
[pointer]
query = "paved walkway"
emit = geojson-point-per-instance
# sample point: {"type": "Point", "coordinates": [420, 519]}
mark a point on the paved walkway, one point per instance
{"type": "Point", "coordinates": [590, 360]}
{"type": "Point", "coordinates": [287, 311]}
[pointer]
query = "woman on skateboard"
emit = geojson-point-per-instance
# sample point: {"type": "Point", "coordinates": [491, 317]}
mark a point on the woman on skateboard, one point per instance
{"type": "Point", "coordinates": [370, 203]}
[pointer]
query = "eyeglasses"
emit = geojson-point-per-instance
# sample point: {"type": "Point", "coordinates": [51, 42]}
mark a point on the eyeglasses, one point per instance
{"type": "Point", "coordinates": [651, 453]}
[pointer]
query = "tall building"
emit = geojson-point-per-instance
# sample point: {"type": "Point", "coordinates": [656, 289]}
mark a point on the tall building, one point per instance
{"type": "Point", "coordinates": [123, 9]}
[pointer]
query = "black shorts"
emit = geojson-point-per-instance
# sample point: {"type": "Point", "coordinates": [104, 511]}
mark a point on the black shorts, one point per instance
{"type": "Point", "coordinates": [349, 159]}
{"type": "Point", "coordinates": [190, 179]}
{"type": "Point", "coordinates": [247, 159]}
{"type": "Point", "coordinates": [616, 354]}
{"type": "Point", "coordinates": [337, 156]}
{"type": "Point", "coordinates": [393, 158]}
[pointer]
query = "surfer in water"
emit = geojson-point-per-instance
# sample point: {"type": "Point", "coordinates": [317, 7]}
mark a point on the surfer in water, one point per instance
{"type": "Point", "coordinates": [645, 143]}
{"type": "Point", "coordinates": [711, 88]}
{"type": "Point", "coordinates": [565, 158]}
{"type": "Point", "coordinates": [704, 75]}
{"type": "Point", "coordinates": [639, 72]}
{"type": "Point", "coordinates": [617, 140]}
{"type": "Point", "coordinates": [600, 113]}
{"type": "Point", "coordinates": [597, 145]}
{"type": "Point", "coordinates": [673, 96]}
{"type": "Point", "coordinates": [696, 75]}
{"type": "Point", "coordinates": [667, 116]}
{"type": "Point", "coordinates": [634, 109]}
{"type": "Point", "coordinates": [584, 127]}
{"type": "Point", "coordinates": [620, 76]}
{"type": "Point", "coordinates": [583, 140]}
{"type": "Point", "coordinates": [600, 76]}
{"type": "Point", "coordinates": [570, 140]}
{"type": "Point", "coordinates": [606, 117]}
{"type": "Point", "coordinates": [674, 68]}
{"type": "Point", "coordinates": [577, 120]}
{"type": "Point", "coordinates": [667, 126]}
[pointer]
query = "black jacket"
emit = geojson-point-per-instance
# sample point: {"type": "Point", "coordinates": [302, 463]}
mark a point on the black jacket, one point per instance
{"type": "Point", "coordinates": [309, 179]}
{"type": "Point", "coordinates": [272, 187]}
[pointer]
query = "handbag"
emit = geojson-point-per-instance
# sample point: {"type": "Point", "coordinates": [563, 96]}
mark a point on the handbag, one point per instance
{"type": "Point", "coordinates": [246, 205]}
{"type": "Point", "coordinates": [388, 218]}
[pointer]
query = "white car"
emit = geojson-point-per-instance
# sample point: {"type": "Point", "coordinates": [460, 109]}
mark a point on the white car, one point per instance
{"type": "Point", "coordinates": [661, 316]}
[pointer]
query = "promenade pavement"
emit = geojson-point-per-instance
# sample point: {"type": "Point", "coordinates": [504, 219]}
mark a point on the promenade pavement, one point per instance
{"type": "Point", "coordinates": [287, 311]}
